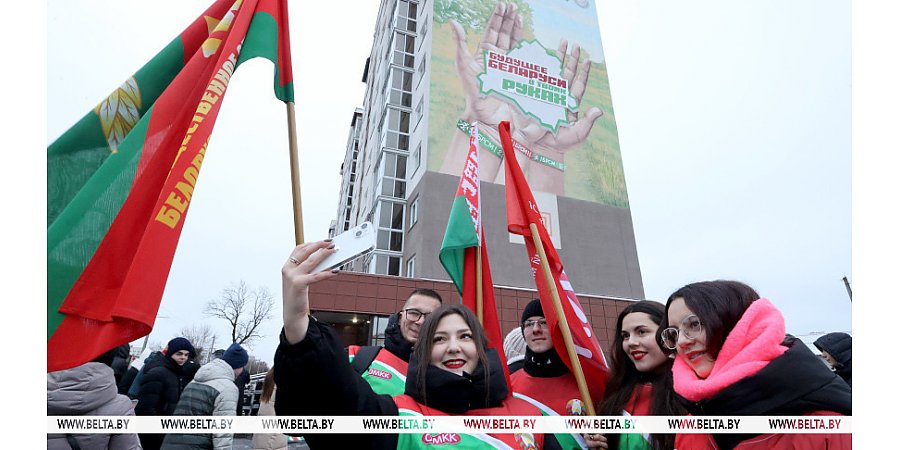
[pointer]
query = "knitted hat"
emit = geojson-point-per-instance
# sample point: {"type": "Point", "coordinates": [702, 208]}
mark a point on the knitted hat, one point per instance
{"type": "Point", "coordinates": [514, 343]}
{"type": "Point", "coordinates": [236, 356]}
{"type": "Point", "coordinates": [178, 344]}
{"type": "Point", "coordinates": [532, 309]}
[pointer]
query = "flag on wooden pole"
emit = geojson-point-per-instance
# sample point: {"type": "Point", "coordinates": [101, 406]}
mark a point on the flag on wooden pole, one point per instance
{"type": "Point", "coordinates": [464, 243]}
{"type": "Point", "coordinates": [120, 181]}
{"type": "Point", "coordinates": [522, 215]}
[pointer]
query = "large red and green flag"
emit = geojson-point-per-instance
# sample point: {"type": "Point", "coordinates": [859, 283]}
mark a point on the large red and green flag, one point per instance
{"type": "Point", "coordinates": [521, 211]}
{"type": "Point", "coordinates": [120, 181]}
{"type": "Point", "coordinates": [463, 240]}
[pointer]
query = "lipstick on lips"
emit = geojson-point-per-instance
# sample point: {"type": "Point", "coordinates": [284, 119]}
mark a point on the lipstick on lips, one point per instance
{"type": "Point", "coordinates": [694, 356]}
{"type": "Point", "coordinates": [638, 355]}
{"type": "Point", "coordinates": [454, 363]}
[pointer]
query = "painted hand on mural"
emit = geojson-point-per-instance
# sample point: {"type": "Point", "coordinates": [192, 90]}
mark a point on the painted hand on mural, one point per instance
{"type": "Point", "coordinates": [543, 177]}
{"type": "Point", "coordinates": [503, 32]}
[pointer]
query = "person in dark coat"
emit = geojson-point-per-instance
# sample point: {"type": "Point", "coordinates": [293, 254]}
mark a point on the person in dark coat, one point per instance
{"type": "Point", "coordinates": [241, 382]}
{"type": "Point", "coordinates": [120, 362]}
{"type": "Point", "coordinates": [162, 386]}
{"type": "Point", "coordinates": [190, 369]}
{"type": "Point", "coordinates": [127, 380]}
{"type": "Point", "coordinates": [212, 393]}
{"type": "Point", "coordinates": [154, 359]}
{"type": "Point", "coordinates": [451, 372]}
{"type": "Point", "coordinates": [836, 348]}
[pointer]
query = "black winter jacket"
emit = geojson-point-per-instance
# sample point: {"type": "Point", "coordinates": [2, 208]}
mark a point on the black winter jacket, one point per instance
{"type": "Point", "coordinates": [320, 360]}
{"type": "Point", "coordinates": [840, 347]}
{"type": "Point", "coordinates": [794, 384]}
{"type": "Point", "coordinates": [394, 341]}
{"type": "Point", "coordinates": [158, 395]}
{"type": "Point", "coordinates": [160, 390]}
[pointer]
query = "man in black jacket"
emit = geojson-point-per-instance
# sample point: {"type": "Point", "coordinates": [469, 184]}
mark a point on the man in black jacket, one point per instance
{"type": "Point", "coordinates": [161, 387]}
{"type": "Point", "coordinates": [376, 366]}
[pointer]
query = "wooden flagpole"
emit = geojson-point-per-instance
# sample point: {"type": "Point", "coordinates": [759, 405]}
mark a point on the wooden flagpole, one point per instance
{"type": "Point", "coordinates": [295, 174]}
{"type": "Point", "coordinates": [563, 323]}
{"type": "Point", "coordinates": [479, 287]}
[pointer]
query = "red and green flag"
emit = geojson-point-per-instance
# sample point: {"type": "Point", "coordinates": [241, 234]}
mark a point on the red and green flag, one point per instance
{"type": "Point", "coordinates": [521, 211]}
{"type": "Point", "coordinates": [463, 240]}
{"type": "Point", "coordinates": [120, 181]}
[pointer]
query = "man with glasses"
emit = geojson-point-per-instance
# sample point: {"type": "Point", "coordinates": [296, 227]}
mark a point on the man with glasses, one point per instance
{"type": "Point", "coordinates": [545, 381]}
{"type": "Point", "coordinates": [385, 370]}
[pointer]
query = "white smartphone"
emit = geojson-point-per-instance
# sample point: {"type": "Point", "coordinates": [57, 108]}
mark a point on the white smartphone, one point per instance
{"type": "Point", "coordinates": [350, 245]}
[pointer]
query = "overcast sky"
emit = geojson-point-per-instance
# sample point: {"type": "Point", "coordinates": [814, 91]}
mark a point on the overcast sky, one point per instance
{"type": "Point", "coordinates": [734, 124]}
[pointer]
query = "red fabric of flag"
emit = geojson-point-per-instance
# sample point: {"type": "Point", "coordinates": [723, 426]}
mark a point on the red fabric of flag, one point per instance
{"type": "Point", "coordinates": [466, 234]}
{"type": "Point", "coordinates": [117, 296]}
{"type": "Point", "coordinates": [521, 211]}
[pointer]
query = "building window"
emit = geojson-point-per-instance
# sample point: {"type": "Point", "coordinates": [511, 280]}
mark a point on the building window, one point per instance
{"type": "Point", "coordinates": [424, 31]}
{"type": "Point", "coordinates": [390, 226]}
{"type": "Point", "coordinates": [421, 72]}
{"type": "Point", "coordinates": [391, 175]}
{"type": "Point", "coordinates": [404, 49]}
{"type": "Point", "coordinates": [382, 264]}
{"type": "Point", "coordinates": [419, 111]}
{"type": "Point", "coordinates": [397, 135]}
{"type": "Point", "coordinates": [411, 267]}
{"type": "Point", "coordinates": [378, 328]}
{"type": "Point", "coordinates": [387, 265]}
{"type": "Point", "coordinates": [414, 212]}
{"type": "Point", "coordinates": [406, 16]}
{"type": "Point", "coordinates": [401, 87]}
{"type": "Point", "coordinates": [417, 158]}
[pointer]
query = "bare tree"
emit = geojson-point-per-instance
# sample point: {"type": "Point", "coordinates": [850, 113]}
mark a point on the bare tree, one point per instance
{"type": "Point", "coordinates": [202, 338]}
{"type": "Point", "coordinates": [244, 309]}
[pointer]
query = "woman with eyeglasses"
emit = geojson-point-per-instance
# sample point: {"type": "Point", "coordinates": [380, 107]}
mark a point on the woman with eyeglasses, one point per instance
{"type": "Point", "coordinates": [451, 372]}
{"type": "Point", "coordinates": [640, 383]}
{"type": "Point", "coordinates": [733, 359]}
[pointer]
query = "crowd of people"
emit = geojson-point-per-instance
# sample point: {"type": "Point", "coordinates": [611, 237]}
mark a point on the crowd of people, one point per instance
{"type": "Point", "coordinates": [169, 383]}
{"type": "Point", "coordinates": [714, 348]}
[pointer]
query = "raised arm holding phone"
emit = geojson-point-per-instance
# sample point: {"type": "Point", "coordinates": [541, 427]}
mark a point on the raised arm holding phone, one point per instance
{"type": "Point", "coordinates": [451, 371]}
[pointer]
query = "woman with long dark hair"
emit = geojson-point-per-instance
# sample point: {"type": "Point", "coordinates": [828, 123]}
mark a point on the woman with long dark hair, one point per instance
{"type": "Point", "coordinates": [451, 372]}
{"type": "Point", "coordinates": [733, 359]}
{"type": "Point", "coordinates": [640, 381]}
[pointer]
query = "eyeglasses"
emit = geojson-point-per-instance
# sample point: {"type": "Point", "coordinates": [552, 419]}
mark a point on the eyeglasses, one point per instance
{"type": "Point", "coordinates": [542, 323]}
{"type": "Point", "coordinates": [414, 314]}
{"type": "Point", "coordinates": [690, 329]}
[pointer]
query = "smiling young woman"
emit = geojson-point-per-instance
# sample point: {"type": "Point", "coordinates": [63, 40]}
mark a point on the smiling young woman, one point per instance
{"type": "Point", "coordinates": [451, 372]}
{"type": "Point", "coordinates": [733, 359]}
{"type": "Point", "coordinates": [640, 381]}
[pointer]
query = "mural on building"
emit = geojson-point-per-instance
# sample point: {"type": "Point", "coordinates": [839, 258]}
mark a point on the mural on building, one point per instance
{"type": "Point", "coordinates": [538, 64]}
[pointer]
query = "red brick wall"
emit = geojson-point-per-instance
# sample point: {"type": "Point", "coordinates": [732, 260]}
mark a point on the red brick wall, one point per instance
{"type": "Point", "coordinates": [384, 295]}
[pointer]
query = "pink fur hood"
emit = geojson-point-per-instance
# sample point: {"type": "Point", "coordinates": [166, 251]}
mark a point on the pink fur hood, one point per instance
{"type": "Point", "coordinates": [754, 342]}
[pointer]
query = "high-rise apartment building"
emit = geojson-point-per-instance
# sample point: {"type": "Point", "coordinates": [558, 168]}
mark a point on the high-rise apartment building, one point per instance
{"type": "Point", "coordinates": [436, 66]}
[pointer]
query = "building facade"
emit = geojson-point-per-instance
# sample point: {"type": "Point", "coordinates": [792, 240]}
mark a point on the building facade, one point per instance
{"type": "Point", "coordinates": [436, 66]}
